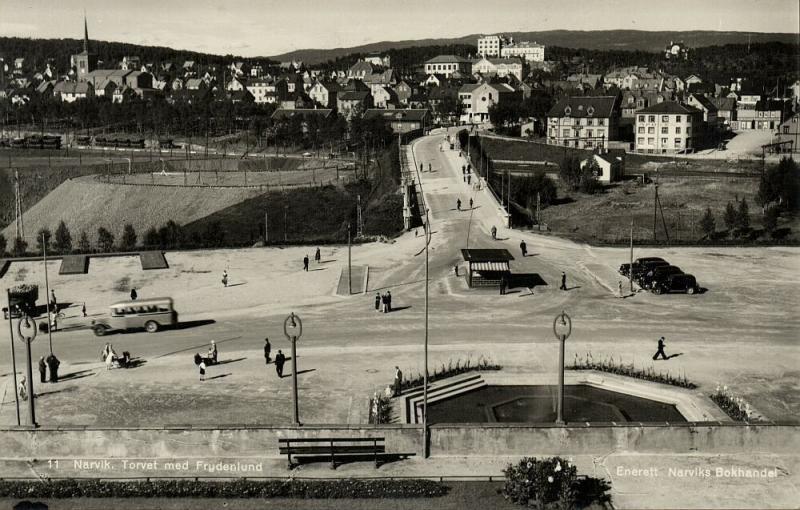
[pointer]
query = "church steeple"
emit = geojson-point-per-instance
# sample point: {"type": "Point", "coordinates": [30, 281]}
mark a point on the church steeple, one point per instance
{"type": "Point", "coordinates": [85, 34]}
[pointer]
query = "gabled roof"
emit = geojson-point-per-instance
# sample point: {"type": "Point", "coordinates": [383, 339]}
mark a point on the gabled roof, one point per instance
{"type": "Point", "coordinates": [724, 103]}
{"type": "Point", "coordinates": [414, 115]}
{"type": "Point", "coordinates": [353, 95]}
{"type": "Point", "coordinates": [468, 88]}
{"type": "Point", "coordinates": [670, 107]}
{"type": "Point", "coordinates": [704, 102]}
{"type": "Point", "coordinates": [286, 113]}
{"type": "Point", "coordinates": [447, 59]}
{"type": "Point", "coordinates": [584, 106]}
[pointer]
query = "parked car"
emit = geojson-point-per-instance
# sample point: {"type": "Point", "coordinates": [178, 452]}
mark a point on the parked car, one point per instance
{"type": "Point", "coordinates": [677, 283]}
{"type": "Point", "coordinates": [657, 274]}
{"type": "Point", "coordinates": [624, 268]}
{"type": "Point", "coordinates": [150, 314]}
{"type": "Point", "coordinates": [642, 269]}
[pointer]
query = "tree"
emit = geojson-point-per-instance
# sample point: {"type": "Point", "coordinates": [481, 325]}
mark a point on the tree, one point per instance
{"type": "Point", "coordinates": [743, 216]}
{"type": "Point", "coordinates": [588, 182]}
{"type": "Point", "coordinates": [43, 239]}
{"type": "Point", "coordinates": [151, 238]}
{"type": "Point", "coordinates": [170, 235]}
{"type": "Point", "coordinates": [84, 246]}
{"type": "Point", "coordinates": [707, 223]}
{"type": "Point", "coordinates": [128, 238]}
{"type": "Point", "coordinates": [730, 216]}
{"type": "Point", "coordinates": [105, 240]}
{"type": "Point", "coordinates": [570, 171]}
{"type": "Point", "coordinates": [63, 242]}
{"type": "Point", "coordinates": [771, 215]}
{"type": "Point", "coordinates": [3, 244]}
{"type": "Point", "coordinates": [781, 184]}
{"type": "Point", "coordinates": [20, 246]}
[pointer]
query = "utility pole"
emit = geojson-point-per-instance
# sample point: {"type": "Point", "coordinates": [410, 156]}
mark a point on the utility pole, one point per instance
{"type": "Point", "coordinates": [266, 227]}
{"type": "Point", "coordinates": [13, 356]}
{"type": "Point", "coordinates": [47, 290]}
{"type": "Point", "coordinates": [630, 267]}
{"type": "Point", "coordinates": [349, 263]}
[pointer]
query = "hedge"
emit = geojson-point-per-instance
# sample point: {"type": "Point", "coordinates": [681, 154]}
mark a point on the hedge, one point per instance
{"type": "Point", "coordinates": [299, 489]}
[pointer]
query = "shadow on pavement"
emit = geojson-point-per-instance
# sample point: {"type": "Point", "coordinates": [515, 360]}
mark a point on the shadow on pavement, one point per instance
{"type": "Point", "coordinates": [220, 376]}
{"type": "Point", "coordinates": [80, 374]}
{"type": "Point", "coordinates": [525, 280]}
{"type": "Point", "coordinates": [193, 324]}
{"type": "Point", "coordinates": [226, 361]}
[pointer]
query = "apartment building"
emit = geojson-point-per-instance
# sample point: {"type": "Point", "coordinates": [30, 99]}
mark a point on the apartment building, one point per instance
{"type": "Point", "coordinates": [667, 128]}
{"type": "Point", "coordinates": [585, 122]}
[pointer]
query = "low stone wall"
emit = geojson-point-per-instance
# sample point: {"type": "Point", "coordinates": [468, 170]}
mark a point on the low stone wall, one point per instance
{"type": "Point", "coordinates": [602, 439]}
{"type": "Point", "coordinates": [186, 441]}
{"type": "Point", "coordinates": [446, 440]}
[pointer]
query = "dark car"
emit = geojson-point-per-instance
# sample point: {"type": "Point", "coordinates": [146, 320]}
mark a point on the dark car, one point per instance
{"type": "Point", "coordinates": [642, 269]}
{"type": "Point", "coordinates": [657, 274]}
{"type": "Point", "coordinates": [677, 283]}
{"type": "Point", "coordinates": [624, 268]}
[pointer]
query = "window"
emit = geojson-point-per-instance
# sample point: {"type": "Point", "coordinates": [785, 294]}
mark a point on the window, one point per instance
{"type": "Point", "coordinates": [651, 141]}
{"type": "Point", "coordinates": [641, 118]}
{"type": "Point", "coordinates": [589, 133]}
{"type": "Point", "coordinates": [677, 143]}
{"type": "Point", "coordinates": [601, 122]}
{"type": "Point", "coordinates": [663, 141]}
{"type": "Point", "coordinates": [678, 130]}
{"type": "Point", "coordinates": [651, 118]}
{"type": "Point", "coordinates": [664, 130]}
{"type": "Point", "coordinates": [651, 130]}
{"type": "Point", "coordinates": [677, 118]}
{"type": "Point", "coordinates": [688, 130]}
{"type": "Point", "coordinates": [565, 132]}
{"type": "Point", "coordinates": [664, 118]}
{"type": "Point", "coordinates": [641, 130]}
{"type": "Point", "coordinates": [785, 130]}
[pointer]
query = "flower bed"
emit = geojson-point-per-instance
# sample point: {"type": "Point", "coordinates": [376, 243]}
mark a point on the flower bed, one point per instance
{"type": "Point", "coordinates": [612, 366]}
{"type": "Point", "coordinates": [380, 409]}
{"type": "Point", "coordinates": [734, 406]}
{"type": "Point", "coordinates": [552, 483]}
{"type": "Point", "coordinates": [316, 489]}
{"type": "Point", "coordinates": [450, 370]}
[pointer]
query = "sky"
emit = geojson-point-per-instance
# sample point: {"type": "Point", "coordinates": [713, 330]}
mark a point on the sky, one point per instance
{"type": "Point", "coordinates": [269, 27]}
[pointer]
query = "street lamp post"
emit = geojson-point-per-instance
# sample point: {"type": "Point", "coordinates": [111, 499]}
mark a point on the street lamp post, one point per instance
{"type": "Point", "coordinates": [293, 329]}
{"type": "Point", "coordinates": [13, 354]}
{"type": "Point", "coordinates": [26, 327]}
{"type": "Point", "coordinates": [562, 327]}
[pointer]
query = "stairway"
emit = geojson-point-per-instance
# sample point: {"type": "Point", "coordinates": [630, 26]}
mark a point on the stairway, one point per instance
{"type": "Point", "coordinates": [408, 407]}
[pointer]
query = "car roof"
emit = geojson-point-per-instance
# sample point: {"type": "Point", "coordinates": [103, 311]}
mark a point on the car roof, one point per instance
{"type": "Point", "coordinates": [140, 302]}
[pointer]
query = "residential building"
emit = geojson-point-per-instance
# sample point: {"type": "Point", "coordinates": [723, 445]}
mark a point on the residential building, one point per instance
{"type": "Point", "coordinates": [584, 122]}
{"type": "Point", "coordinates": [667, 128]}
{"type": "Point", "coordinates": [131, 63]}
{"type": "Point", "coordinates": [765, 114]}
{"type": "Point", "coordinates": [383, 97]}
{"type": "Point", "coordinates": [359, 70]}
{"type": "Point", "coordinates": [611, 165]}
{"type": "Point", "coordinates": [236, 84]}
{"type": "Point", "coordinates": [349, 101]}
{"type": "Point", "coordinates": [69, 92]}
{"type": "Point", "coordinates": [490, 45]}
{"type": "Point", "coordinates": [676, 50]}
{"type": "Point", "coordinates": [726, 110]}
{"type": "Point", "coordinates": [789, 131]}
{"type": "Point", "coordinates": [692, 80]}
{"type": "Point", "coordinates": [477, 98]}
{"type": "Point", "coordinates": [705, 105]}
{"type": "Point", "coordinates": [447, 65]}
{"type": "Point", "coordinates": [500, 67]}
{"type": "Point", "coordinates": [377, 60]}
{"type": "Point", "coordinates": [403, 92]}
{"type": "Point", "coordinates": [324, 93]}
{"type": "Point", "coordinates": [528, 51]}
{"type": "Point", "coordinates": [402, 121]}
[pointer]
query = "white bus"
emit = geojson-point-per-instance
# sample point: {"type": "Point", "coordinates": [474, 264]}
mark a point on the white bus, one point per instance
{"type": "Point", "coordinates": [150, 314]}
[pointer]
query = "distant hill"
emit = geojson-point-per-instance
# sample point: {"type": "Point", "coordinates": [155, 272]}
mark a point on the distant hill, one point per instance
{"type": "Point", "coordinates": [593, 40]}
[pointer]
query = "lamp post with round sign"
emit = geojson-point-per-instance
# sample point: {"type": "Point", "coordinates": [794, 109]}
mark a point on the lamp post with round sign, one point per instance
{"type": "Point", "coordinates": [562, 327]}
{"type": "Point", "coordinates": [293, 329]}
{"type": "Point", "coordinates": [26, 327]}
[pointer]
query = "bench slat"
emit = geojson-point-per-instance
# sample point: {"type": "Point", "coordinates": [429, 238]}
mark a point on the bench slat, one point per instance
{"type": "Point", "coordinates": [308, 450]}
{"type": "Point", "coordinates": [335, 440]}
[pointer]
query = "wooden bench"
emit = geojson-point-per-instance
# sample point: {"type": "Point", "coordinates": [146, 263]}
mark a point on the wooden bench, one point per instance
{"type": "Point", "coordinates": [333, 447]}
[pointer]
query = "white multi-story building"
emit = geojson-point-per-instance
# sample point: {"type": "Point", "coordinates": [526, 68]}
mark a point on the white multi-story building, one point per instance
{"type": "Point", "coordinates": [498, 67]}
{"type": "Point", "coordinates": [667, 128]}
{"type": "Point", "coordinates": [490, 45]}
{"type": "Point", "coordinates": [528, 51]}
{"type": "Point", "coordinates": [584, 122]}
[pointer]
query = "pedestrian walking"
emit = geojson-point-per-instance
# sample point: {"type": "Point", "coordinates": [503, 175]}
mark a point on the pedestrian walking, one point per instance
{"type": "Point", "coordinates": [305, 263]}
{"type": "Point", "coordinates": [53, 316]}
{"type": "Point", "coordinates": [83, 309]}
{"type": "Point", "coordinates": [22, 388]}
{"type": "Point", "coordinates": [388, 301]}
{"type": "Point", "coordinates": [502, 286]}
{"type": "Point", "coordinates": [52, 364]}
{"type": "Point", "coordinates": [383, 303]}
{"type": "Point", "coordinates": [469, 179]}
{"type": "Point", "coordinates": [523, 248]}
{"type": "Point", "coordinates": [197, 359]}
{"type": "Point", "coordinates": [267, 349]}
{"type": "Point", "coordinates": [378, 302]}
{"type": "Point", "coordinates": [53, 301]}
{"type": "Point", "coordinates": [109, 360]}
{"type": "Point", "coordinates": [619, 285]}
{"type": "Point", "coordinates": [660, 351]}
{"type": "Point", "coordinates": [202, 367]}
{"type": "Point", "coordinates": [280, 359]}
{"type": "Point", "coordinates": [469, 168]}
{"type": "Point", "coordinates": [463, 169]}
{"type": "Point", "coordinates": [430, 168]}
{"type": "Point", "coordinates": [105, 352]}
{"type": "Point", "coordinates": [458, 204]}
{"type": "Point", "coordinates": [470, 203]}
{"type": "Point", "coordinates": [421, 167]}
{"type": "Point", "coordinates": [398, 380]}
{"type": "Point", "coordinates": [42, 370]}
{"type": "Point", "coordinates": [212, 353]}
{"type": "Point", "coordinates": [225, 278]}
{"type": "Point", "coordinates": [133, 295]}
{"type": "Point", "coordinates": [494, 232]}
{"type": "Point", "coordinates": [563, 281]}
{"type": "Point", "coordinates": [317, 256]}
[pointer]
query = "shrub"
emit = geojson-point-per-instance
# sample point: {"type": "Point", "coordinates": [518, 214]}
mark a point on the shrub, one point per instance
{"type": "Point", "coordinates": [20, 247]}
{"type": "Point", "coordinates": [84, 246]}
{"type": "Point", "coordinates": [3, 244]}
{"type": "Point", "coordinates": [105, 240]}
{"type": "Point", "coordinates": [43, 239]}
{"type": "Point", "coordinates": [743, 216]}
{"type": "Point", "coordinates": [729, 217]}
{"type": "Point", "coordinates": [483, 364]}
{"type": "Point", "coordinates": [151, 237]}
{"type": "Point", "coordinates": [380, 409]}
{"type": "Point", "coordinates": [771, 215]}
{"type": "Point", "coordinates": [128, 238]}
{"type": "Point", "coordinates": [240, 488]}
{"type": "Point", "coordinates": [708, 224]}
{"type": "Point", "coordinates": [551, 483]}
{"type": "Point", "coordinates": [734, 406]}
